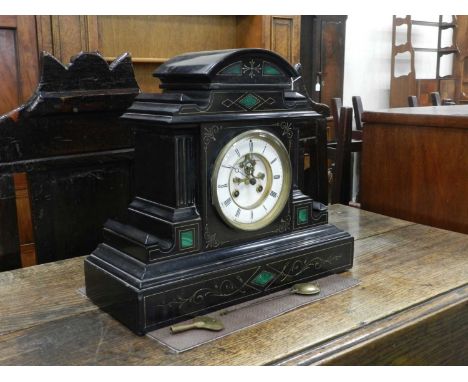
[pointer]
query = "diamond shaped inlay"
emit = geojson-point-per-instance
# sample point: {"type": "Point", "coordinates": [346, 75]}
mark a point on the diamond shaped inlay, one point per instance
{"type": "Point", "coordinates": [249, 101]}
{"type": "Point", "coordinates": [263, 278]}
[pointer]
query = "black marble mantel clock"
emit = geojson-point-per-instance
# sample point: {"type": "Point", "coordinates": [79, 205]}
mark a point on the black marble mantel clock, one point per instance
{"type": "Point", "coordinates": [218, 217]}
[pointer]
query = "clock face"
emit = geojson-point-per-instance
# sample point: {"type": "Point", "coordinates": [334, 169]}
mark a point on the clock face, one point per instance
{"type": "Point", "coordinates": [251, 180]}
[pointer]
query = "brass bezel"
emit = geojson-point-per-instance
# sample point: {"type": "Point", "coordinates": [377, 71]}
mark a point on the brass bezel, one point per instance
{"type": "Point", "coordinates": [287, 177]}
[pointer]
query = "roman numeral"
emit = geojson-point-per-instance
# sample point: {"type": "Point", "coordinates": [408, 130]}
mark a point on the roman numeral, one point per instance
{"type": "Point", "coordinates": [227, 202]}
{"type": "Point", "coordinates": [264, 149]}
{"type": "Point", "coordinates": [273, 161]}
{"type": "Point", "coordinates": [238, 212]}
{"type": "Point", "coordinates": [264, 207]}
{"type": "Point", "coordinates": [251, 214]}
{"type": "Point", "coordinates": [276, 177]}
{"type": "Point", "coordinates": [222, 185]}
{"type": "Point", "coordinates": [274, 194]}
{"type": "Point", "coordinates": [238, 153]}
{"type": "Point", "coordinates": [251, 145]}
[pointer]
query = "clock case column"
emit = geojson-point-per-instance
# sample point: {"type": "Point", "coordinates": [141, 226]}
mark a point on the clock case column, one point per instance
{"type": "Point", "coordinates": [165, 260]}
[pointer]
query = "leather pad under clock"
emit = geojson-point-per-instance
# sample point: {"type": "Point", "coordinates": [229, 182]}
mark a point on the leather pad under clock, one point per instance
{"type": "Point", "coordinates": [251, 313]}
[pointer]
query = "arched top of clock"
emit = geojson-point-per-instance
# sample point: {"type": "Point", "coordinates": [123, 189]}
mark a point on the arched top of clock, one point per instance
{"type": "Point", "coordinates": [227, 69]}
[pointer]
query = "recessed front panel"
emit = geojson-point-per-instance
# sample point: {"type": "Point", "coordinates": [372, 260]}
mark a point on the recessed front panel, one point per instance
{"type": "Point", "coordinates": [251, 180]}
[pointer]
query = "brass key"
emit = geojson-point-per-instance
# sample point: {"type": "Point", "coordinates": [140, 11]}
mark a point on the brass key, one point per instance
{"type": "Point", "coordinates": [202, 322]}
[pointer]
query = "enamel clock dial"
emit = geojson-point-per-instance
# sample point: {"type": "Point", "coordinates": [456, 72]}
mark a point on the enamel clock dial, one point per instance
{"type": "Point", "coordinates": [251, 180]}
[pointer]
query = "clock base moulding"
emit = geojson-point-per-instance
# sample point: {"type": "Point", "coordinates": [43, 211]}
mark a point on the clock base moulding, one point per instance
{"type": "Point", "coordinates": [145, 297]}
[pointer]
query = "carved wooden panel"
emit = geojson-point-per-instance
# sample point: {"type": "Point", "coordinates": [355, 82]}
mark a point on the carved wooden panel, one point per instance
{"type": "Point", "coordinates": [332, 58]}
{"type": "Point", "coordinates": [18, 60]}
{"type": "Point", "coordinates": [285, 36]}
{"type": "Point", "coordinates": [66, 36]}
{"type": "Point", "coordinates": [18, 78]}
{"type": "Point", "coordinates": [153, 39]}
{"type": "Point", "coordinates": [278, 33]}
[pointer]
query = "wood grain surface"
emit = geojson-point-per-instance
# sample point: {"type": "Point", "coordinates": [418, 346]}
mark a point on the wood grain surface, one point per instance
{"type": "Point", "coordinates": [413, 281]}
{"type": "Point", "coordinates": [415, 165]}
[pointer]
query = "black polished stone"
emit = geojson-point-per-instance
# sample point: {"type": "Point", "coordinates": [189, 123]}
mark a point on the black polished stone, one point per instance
{"type": "Point", "coordinates": [142, 273]}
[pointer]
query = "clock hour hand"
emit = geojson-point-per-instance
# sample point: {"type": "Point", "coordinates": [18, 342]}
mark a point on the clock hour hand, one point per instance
{"type": "Point", "coordinates": [237, 170]}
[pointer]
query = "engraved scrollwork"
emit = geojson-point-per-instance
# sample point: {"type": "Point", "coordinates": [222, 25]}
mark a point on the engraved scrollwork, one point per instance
{"type": "Point", "coordinates": [209, 134]}
{"type": "Point", "coordinates": [294, 268]}
{"type": "Point", "coordinates": [223, 289]}
{"type": "Point", "coordinates": [252, 69]}
{"type": "Point", "coordinates": [286, 128]}
{"type": "Point", "coordinates": [284, 224]}
{"type": "Point", "coordinates": [210, 238]}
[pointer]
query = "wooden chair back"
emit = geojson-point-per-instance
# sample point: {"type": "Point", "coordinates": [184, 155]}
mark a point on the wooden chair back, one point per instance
{"type": "Point", "coordinates": [339, 152]}
{"type": "Point", "coordinates": [413, 101]}
{"type": "Point", "coordinates": [77, 157]}
{"type": "Point", "coordinates": [358, 110]}
{"type": "Point", "coordinates": [435, 99]}
{"type": "Point", "coordinates": [336, 105]}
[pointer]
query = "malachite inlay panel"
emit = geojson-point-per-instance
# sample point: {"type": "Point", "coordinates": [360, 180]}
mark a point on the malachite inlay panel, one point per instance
{"type": "Point", "coordinates": [186, 238]}
{"type": "Point", "coordinates": [270, 70]}
{"type": "Point", "coordinates": [263, 278]}
{"type": "Point", "coordinates": [249, 101]}
{"type": "Point", "coordinates": [233, 69]}
{"type": "Point", "coordinates": [302, 215]}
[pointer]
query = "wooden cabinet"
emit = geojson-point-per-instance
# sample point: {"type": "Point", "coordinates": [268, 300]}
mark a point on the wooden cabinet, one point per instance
{"type": "Point", "coordinates": [19, 70]}
{"type": "Point", "coordinates": [280, 34]}
{"type": "Point", "coordinates": [18, 60]}
{"type": "Point", "coordinates": [153, 39]}
{"type": "Point", "coordinates": [322, 56]}
{"type": "Point", "coordinates": [461, 66]}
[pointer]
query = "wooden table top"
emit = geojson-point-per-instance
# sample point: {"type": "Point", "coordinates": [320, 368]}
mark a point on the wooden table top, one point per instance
{"type": "Point", "coordinates": [414, 286]}
{"type": "Point", "coordinates": [453, 116]}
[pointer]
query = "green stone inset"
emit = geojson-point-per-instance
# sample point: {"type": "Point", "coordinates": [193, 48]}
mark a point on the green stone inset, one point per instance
{"type": "Point", "coordinates": [263, 278]}
{"type": "Point", "coordinates": [186, 238]}
{"type": "Point", "coordinates": [249, 101]}
{"type": "Point", "coordinates": [233, 69]}
{"type": "Point", "coordinates": [270, 70]}
{"type": "Point", "coordinates": [302, 215]}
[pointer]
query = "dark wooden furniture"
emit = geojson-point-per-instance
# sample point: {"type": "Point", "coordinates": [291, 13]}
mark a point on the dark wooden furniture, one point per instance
{"type": "Point", "coordinates": [77, 157]}
{"type": "Point", "coordinates": [413, 101]}
{"type": "Point", "coordinates": [410, 308]}
{"type": "Point", "coordinates": [341, 184]}
{"type": "Point", "coordinates": [414, 164]}
{"type": "Point", "coordinates": [435, 99]}
{"type": "Point", "coordinates": [335, 109]}
{"type": "Point", "coordinates": [339, 152]}
{"type": "Point", "coordinates": [461, 65]}
{"type": "Point", "coordinates": [19, 66]}
{"type": "Point", "coordinates": [358, 110]}
{"type": "Point", "coordinates": [322, 55]}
